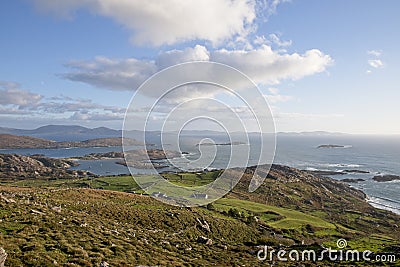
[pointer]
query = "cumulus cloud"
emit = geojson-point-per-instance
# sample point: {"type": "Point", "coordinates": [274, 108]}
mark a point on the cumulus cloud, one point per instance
{"type": "Point", "coordinates": [263, 65]}
{"type": "Point", "coordinates": [277, 40]}
{"type": "Point", "coordinates": [96, 116]}
{"type": "Point", "coordinates": [12, 94]}
{"type": "Point", "coordinates": [172, 57]}
{"type": "Point", "coordinates": [16, 101]}
{"type": "Point", "coordinates": [275, 97]}
{"type": "Point", "coordinates": [376, 53]}
{"type": "Point", "coordinates": [116, 74]}
{"type": "Point", "coordinates": [169, 21]}
{"type": "Point", "coordinates": [271, 5]}
{"type": "Point", "coordinates": [296, 115]}
{"type": "Point", "coordinates": [375, 63]}
{"type": "Point", "coordinates": [266, 66]}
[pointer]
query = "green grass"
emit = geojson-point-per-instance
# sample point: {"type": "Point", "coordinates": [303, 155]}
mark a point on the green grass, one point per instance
{"type": "Point", "coordinates": [122, 229]}
{"type": "Point", "coordinates": [231, 219]}
{"type": "Point", "coordinates": [191, 179]}
{"type": "Point", "coordinates": [374, 243]}
{"type": "Point", "coordinates": [119, 183]}
{"type": "Point", "coordinates": [292, 219]}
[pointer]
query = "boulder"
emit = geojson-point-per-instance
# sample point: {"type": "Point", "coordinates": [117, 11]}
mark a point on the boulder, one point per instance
{"type": "Point", "coordinates": [204, 225]}
{"type": "Point", "coordinates": [349, 180]}
{"type": "Point", "coordinates": [3, 257]}
{"type": "Point", "coordinates": [204, 240]}
{"type": "Point", "coordinates": [386, 178]}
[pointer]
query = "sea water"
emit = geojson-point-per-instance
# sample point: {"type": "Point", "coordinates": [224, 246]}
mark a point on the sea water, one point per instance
{"type": "Point", "coordinates": [378, 155]}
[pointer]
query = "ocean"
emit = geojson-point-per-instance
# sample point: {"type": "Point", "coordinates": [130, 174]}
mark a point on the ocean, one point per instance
{"type": "Point", "coordinates": [378, 155]}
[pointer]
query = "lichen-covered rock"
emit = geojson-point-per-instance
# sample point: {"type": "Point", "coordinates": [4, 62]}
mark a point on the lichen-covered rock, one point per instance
{"type": "Point", "coordinates": [204, 240]}
{"type": "Point", "coordinates": [3, 257]}
{"type": "Point", "coordinates": [18, 166]}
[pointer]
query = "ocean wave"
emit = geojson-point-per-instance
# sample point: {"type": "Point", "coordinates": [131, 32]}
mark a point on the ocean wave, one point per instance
{"type": "Point", "coordinates": [321, 170]}
{"type": "Point", "coordinates": [384, 203]}
{"type": "Point", "coordinates": [341, 165]}
{"type": "Point", "coordinates": [376, 198]}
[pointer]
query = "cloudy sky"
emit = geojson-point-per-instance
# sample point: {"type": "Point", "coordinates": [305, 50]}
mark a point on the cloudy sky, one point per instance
{"type": "Point", "coordinates": [322, 65]}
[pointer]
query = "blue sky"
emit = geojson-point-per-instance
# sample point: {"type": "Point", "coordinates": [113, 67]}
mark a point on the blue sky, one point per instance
{"type": "Point", "coordinates": [322, 65]}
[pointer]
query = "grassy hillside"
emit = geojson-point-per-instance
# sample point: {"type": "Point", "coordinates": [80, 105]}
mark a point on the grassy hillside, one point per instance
{"type": "Point", "coordinates": [67, 221]}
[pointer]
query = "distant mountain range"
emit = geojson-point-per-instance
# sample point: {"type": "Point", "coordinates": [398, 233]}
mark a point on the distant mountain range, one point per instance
{"type": "Point", "coordinates": [61, 133]}
{"type": "Point", "coordinates": [314, 133]}
{"type": "Point", "coordinates": [64, 132]}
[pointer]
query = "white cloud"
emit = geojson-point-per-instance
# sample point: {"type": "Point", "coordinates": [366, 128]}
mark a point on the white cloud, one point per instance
{"type": "Point", "coordinates": [263, 65]}
{"type": "Point", "coordinates": [375, 53]}
{"type": "Point", "coordinates": [115, 74]}
{"type": "Point", "coordinates": [266, 66]}
{"type": "Point", "coordinates": [12, 94]}
{"type": "Point", "coordinates": [273, 99]}
{"type": "Point", "coordinates": [169, 21]}
{"type": "Point", "coordinates": [274, 96]}
{"type": "Point", "coordinates": [273, 90]}
{"type": "Point", "coordinates": [96, 116]}
{"type": "Point", "coordinates": [295, 115]}
{"type": "Point", "coordinates": [17, 101]}
{"type": "Point", "coordinates": [277, 40]}
{"type": "Point", "coordinates": [271, 5]}
{"type": "Point", "coordinates": [172, 57]}
{"type": "Point", "coordinates": [375, 63]}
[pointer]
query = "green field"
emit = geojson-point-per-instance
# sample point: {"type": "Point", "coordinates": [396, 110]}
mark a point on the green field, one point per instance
{"type": "Point", "coordinates": [292, 219]}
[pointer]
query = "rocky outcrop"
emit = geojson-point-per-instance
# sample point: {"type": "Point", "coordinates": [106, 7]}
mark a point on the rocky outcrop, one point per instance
{"type": "Point", "coordinates": [327, 172]}
{"type": "Point", "coordinates": [20, 167]}
{"type": "Point", "coordinates": [204, 240]}
{"type": "Point", "coordinates": [204, 225]}
{"type": "Point", "coordinates": [386, 178]}
{"type": "Point", "coordinates": [107, 155]}
{"type": "Point", "coordinates": [3, 257]}
{"type": "Point", "coordinates": [356, 171]}
{"type": "Point", "coordinates": [147, 159]}
{"type": "Point", "coordinates": [100, 142]}
{"type": "Point", "coordinates": [290, 187]}
{"type": "Point", "coordinates": [349, 180]}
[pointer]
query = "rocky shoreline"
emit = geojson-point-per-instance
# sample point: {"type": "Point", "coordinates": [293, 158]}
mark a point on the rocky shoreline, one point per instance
{"type": "Point", "coordinates": [321, 172]}
{"type": "Point", "coordinates": [14, 166]}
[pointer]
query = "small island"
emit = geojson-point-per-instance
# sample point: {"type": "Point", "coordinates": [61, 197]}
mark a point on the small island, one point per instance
{"type": "Point", "coordinates": [147, 159]}
{"type": "Point", "coordinates": [386, 178]}
{"type": "Point", "coordinates": [330, 146]}
{"type": "Point", "coordinates": [222, 144]}
{"type": "Point", "coordinates": [349, 180]}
